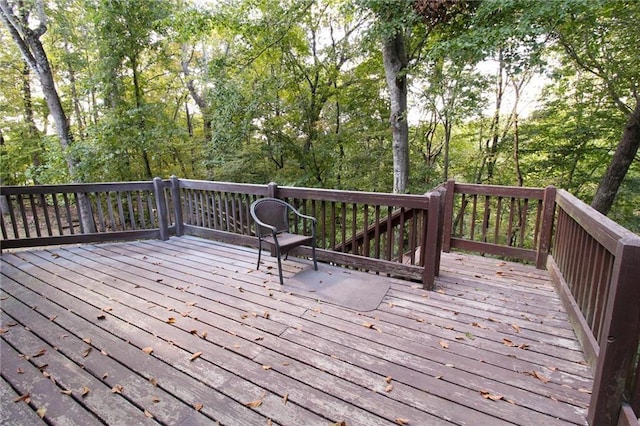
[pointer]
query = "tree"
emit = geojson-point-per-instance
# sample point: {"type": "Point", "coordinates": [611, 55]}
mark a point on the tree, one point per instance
{"type": "Point", "coordinates": [16, 17]}
{"type": "Point", "coordinates": [601, 38]}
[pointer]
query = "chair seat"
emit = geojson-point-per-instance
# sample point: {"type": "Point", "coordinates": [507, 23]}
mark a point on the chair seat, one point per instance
{"type": "Point", "coordinates": [287, 240]}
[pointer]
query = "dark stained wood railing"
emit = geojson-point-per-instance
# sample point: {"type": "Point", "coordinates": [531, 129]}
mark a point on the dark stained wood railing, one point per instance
{"type": "Point", "coordinates": [512, 222]}
{"type": "Point", "coordinates": [594, 262]}
{"type": "Point", "coordinates": [390, 233]}
{"type": "Point", "coordinates": [372, 231]}
{"type": "Point", "coordinates": [51, 214]}
{"type": "Point", "coordinates": [596, 268]}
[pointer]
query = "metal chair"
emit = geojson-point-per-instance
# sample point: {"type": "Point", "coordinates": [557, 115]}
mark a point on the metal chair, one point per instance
{"type": "Point", "coordinates": [272, 226]}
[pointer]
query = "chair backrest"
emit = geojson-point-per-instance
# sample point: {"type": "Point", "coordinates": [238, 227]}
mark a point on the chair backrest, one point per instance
{"type": "Point", "coordinates": [271, 211]}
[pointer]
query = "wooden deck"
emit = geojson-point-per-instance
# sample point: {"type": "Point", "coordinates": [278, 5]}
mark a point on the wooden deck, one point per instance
{"type": "Point", "coordinates": [186, 332]}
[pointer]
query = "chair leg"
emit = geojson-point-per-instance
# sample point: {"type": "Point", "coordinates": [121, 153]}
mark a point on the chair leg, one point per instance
{"type": "Point", "coordinates": [279, 265]}
{"type": "Point", "coordinates": [313, 253]}
{"type": "Point", "coordinates": [259, 252]}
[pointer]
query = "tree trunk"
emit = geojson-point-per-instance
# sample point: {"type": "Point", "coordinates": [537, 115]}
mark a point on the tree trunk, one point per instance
{"type": "Point", "coordinates": [620, 163]}
{"type": "Point", "coordinates": [30, 46]}
{"type": "Point", "coordinates": [395, 62]}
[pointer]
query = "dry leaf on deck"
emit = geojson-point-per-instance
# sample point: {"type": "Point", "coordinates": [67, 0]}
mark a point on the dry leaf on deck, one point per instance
{"type": "Point", "coordinates": [66, 392]}
{"type": "Point", "coordinates": [266, 367]}
{"type": "Point", "coordinates": [86, 352]}
{"type": "Point", "coordinates": [402, 421]}
{"type": "Point", "coordinates": [539, 376]}
{"type": "Point", "coordinates": [147, 350]}
{"type": "Point", "coordinates": [388, 379]}
{"type": "Point", "coordinates": [516, 327]}
{"type": "Point", "coordinates": [389, 388]}
{"type": "Point", "coordinates": [153, 381]}
{"type": "Point", "coordinates": [198, 406]}
{"type": "Point", "coordinates": [26, 397]}
{"type": "Point", "coordinates": [101, 317]}
{"type": "Point", "coordinates": [491, 396]}
{"type": "Point", "coordinates": [254, 404]}
{"type": "Point", "coordinates": [148, 414]}
{"type": "Point", "coordinates": [117, 389]}
{"type": "Point", "coordinates": [195, 355]}
{"type": "Point", "coordinates": [285, 398]}
{"type": "Point", "coordinates": [84, 391]}
{"type": "Point", "coordinates": [444, 344]}
{"type": "Point", "coordinates": [508, 342]}
{"type": "Point", "coordinates": [155, 399]}
{"type": "Point", "coordinates": [42, 411]}
{"type": "Point", "coordinates": [371, 326]}
{"type": "Point", "coordinates": [477, 324]}
{"type": "Point", "coordinates": [171, 320]}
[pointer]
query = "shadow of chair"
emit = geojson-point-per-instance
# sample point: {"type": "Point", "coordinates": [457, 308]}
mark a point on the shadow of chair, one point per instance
{"type": "Point", "coordinates": [271, 216]}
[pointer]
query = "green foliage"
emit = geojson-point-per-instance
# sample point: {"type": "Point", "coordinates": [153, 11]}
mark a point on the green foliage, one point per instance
{"type": "Point", "coordinates": [294, 92]}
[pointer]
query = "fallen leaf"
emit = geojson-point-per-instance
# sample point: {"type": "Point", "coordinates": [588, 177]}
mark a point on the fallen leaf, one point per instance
{"type": "Point", "coordinates": [523, 346]}
{"type": "Point", "coordinates": [84, 391]}
{"type": "Point", "coordinates": [388, 379]}
{"type": "Point", "coordinates": [508, 342]}
{"type": "Point", "coordinates": [195, 355]}
{"type": "Point", "coordinates": [402, 421]}
{"type": "Point", "coordinates": [258, 338]}
{"type": "Point", "coordinates": [198, 406]}
{"type": "Point", "coordinates": [86, 352]}
{"type": "Point", "coordinates": [107, 309]}
{"type": "Point", "coordinates": [155, 399]}
{"type": "Point", "coordinates": [20, 370]}
{"type": "Point", "coordinates": [539, 376]}
{"type": "Point", "coordinates": [53, 317]}
{"type": "Point", "coordinates": [470, 336]}
{"type": "Point", "coordinates": [26, 397]}
{"type": "Point", "coordinates": [254, 404]}
{"type": "Point", "coordinates": [87, 340]}
{"type": "Point", "coordinates": [491, 396]}
{"type": "Point", "coordinates": [266, 314]}
{"type": "Point", "coordinates": [101, 317]}
{"type": "Point", "coordinates": [342, 423]}
{"type": "Point", "coordinates": [191, 303]}
{"type": "Point", "coordinates": [40, 353]}
{"type": "Point", "coordinates": [105, 375]}
{"type": "Point", "coordinates": [41, 412]}
{"type": "Point", "coordinates": [285, 398]}
{"type": "Point", "coordinates": [153, 381]}
{"type": "Point", "coordinates": [117, 389]}
{"type": "Point", "coordinates": [266, 367]}
{"type": "Point", "coordinates": [204, 334]}
{"type": "Point", "coordinates": [194, 332]}
{"type": "Point", "coordinates": [477, 324]}
{"type": "Point", "coordinates": [147, 350]}
{"type": "Point", "coordinates": [371, 326]}
{"type": "Point", "coordinates": [583, 390]}
{"type": "Point", "coordinates": [389, 388]}
{"type": "Point", "coordinates": [171, 320]}
{"type": "Point", "coordinates": [516, 327]}
{"type": "Point", "coordinates": [66, 392]}
{"type": "Point", "coordinates": [438, 377]}
{"type": "Point", "coordinates": [148, 414]}
{"type": "Point", "coordinates": [444, 344]}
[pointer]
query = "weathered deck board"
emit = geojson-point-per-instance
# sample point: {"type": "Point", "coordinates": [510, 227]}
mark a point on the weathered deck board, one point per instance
{"type": "Point", "coordinates": [299, 361]}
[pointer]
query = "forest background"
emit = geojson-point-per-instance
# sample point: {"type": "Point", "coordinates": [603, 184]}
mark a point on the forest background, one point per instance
{"type": "Point", "coordinates": [372, 95]}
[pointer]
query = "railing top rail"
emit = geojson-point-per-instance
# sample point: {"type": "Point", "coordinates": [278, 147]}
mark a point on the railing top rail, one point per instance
{"type": "Point", "coordinates": [371, 198]}
{"type": "Point", "coordinates": [206, 185]}
{"type": "Point", "coordinates": [604, 230]}
{"type": "Point", "coordinates": [499, 191]}
{"type": "Point", "coordinates": [76, 187]}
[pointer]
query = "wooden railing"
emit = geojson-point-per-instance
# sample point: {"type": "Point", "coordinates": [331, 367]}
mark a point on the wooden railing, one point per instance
{"type": "Point", "coordinates": [596, 268]}
{"type": "Point", "coordinates": [594, 262]}
{"type": "Point", "coordinates": [512, 222]}
{"type": "Point", "coordinates": [393, 234]}
{"type": "Point", "coordinates": [52, 214]}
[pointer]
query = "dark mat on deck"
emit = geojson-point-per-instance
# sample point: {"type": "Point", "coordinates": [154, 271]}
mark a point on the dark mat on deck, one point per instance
{"type": "Point", "coordinates": [343, 287]}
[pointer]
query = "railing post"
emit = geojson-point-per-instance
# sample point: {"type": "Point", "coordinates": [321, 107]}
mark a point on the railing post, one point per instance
{"type": "Point", "coordinates": [177, 205]}
{"type": "Point", "coordinates": [161, 205]}
{"type": "Point", "coordinates": [448, 215]}
{"type": "Point", "coordinates": [272, 189]}
{"type": "Point", "coordinates": [620, 336]}
{"type": "Point", "coordinates": [431, 247]}
{"type": "Point", "coordinates": [548, 217]}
